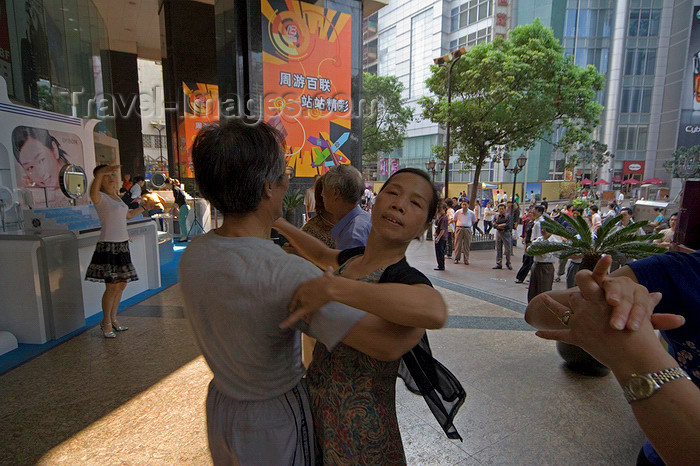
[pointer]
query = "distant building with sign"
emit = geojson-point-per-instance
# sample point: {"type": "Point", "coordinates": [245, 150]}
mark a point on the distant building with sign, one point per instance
{"type": "Point", "coordinates": [651, 95]}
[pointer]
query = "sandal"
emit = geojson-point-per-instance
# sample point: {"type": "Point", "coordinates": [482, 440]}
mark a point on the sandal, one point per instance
{"type": "Point", "coordinates": [109, 334]}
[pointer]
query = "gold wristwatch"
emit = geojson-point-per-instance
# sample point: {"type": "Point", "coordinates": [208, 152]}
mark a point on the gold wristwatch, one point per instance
{"type": "Point", "coordinates": [639, 387]}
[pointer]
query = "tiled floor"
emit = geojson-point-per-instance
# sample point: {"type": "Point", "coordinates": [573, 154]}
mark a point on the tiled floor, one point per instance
{"type": "Point", "coordinates": [139, 399]}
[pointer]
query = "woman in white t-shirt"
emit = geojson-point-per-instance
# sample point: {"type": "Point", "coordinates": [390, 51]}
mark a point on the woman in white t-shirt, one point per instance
{"type": "Point", "coordinates": [111, 261]}
{"type": "Point", "coordinates": [489, 212]}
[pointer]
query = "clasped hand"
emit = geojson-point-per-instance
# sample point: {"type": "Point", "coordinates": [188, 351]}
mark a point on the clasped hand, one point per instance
{"type": "Point", "coordinates": [310, 297]}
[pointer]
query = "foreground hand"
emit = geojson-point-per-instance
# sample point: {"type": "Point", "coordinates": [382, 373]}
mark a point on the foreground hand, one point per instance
{"type": "Point", "coordinates": [629, 300]}
{"type": "Point", "coordinates": [587, 327]}
{"type": "Point", "coordinates": [309, 298]}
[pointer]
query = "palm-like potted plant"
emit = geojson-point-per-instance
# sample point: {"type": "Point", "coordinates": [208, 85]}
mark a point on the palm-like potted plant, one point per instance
{"type": "Point", "coordinates": [291, 202]}
{"type": "Point", "coordinates": [622, 244]}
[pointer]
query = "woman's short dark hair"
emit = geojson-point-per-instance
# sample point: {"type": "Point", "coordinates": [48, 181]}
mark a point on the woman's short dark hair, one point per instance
{"type": "Point", "coordinates": [21, 133]}
{"type": "Point", "coordinates": [138, 178]}
{"type": "Point", "coordinates": [432, 206]}
{"type": "Point", "coordinates": [233, 159]}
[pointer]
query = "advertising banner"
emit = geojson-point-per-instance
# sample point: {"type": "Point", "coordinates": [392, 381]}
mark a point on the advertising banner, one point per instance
{"type": "Point", "coordinates": [201, 107]}
{"type": "Point", "coordinates": [689, 127]}
{"type": "Point", "coordinates": [383, 166]}
{"type": "Point", "coordinates": [394, 166]}
{"type": "Point", "coordinates": [306, 82]}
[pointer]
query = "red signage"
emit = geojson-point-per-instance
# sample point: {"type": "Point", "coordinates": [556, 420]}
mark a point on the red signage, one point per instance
{"type": "Point", "coordinates": [633, 167]}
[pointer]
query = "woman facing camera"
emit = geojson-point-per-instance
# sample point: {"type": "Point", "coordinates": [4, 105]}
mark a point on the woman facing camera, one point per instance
{"type": "Point", "coordinates": [353, 394]}
{"type": "Point", "coordinates": [42, 158]}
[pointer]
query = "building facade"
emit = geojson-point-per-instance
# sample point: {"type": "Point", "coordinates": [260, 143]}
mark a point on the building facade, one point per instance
{"type": "Point", "coordinates": [643, 47]}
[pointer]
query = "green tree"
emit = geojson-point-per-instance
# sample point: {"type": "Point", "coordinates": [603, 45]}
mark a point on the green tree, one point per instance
{"type": "Point", "coordinates": [510, 92]}
{"type": "Point", "coordinates": [386, 116]}
{"type": "Point", "coordinates": [593, 154]}
{"type": "Point", "coordinates": [685, 163]}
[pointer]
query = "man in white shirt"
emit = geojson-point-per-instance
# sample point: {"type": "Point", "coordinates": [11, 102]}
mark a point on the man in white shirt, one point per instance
{"type": "Point", "coordinates": [464, 220]}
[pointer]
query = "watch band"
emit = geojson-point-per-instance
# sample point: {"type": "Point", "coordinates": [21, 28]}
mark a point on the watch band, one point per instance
{"type": "Point", "coordinates": [643, 386]}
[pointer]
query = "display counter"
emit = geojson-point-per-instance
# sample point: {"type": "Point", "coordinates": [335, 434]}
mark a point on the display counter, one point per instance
{"type": "Point", "coordinates": [43, 294]}
{"type": "Point", "coordinates": [40, 285]}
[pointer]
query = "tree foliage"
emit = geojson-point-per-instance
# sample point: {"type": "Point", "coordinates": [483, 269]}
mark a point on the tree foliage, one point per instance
{"type": "Point", "coordinates": [685, 163]}
{"type": "Point", "coordinates": [386, 115]}
{"type": "Point", "coordinates": [593, 154]}
{"type": "Point", "coordinates": [510, 92]}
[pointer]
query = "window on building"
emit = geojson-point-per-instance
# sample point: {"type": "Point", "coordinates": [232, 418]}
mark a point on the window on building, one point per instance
{"type": "Point", "coordinates": [386, 61]}
{"type": "Point", "coordinates": [644, 22]}
{"type": "Point", "coordinates": [632, 138]}
{"type": "Point", "coordinates": [635, 100]}
{"type": "Point", "coordinates": [469, 13]}
{"type": "Point", "coordinates": [640, 62]}
{"type": "Point", "coordinates": [420, 52]}
{"type": "Point", "coordinates": [570, 28]}
{"type": "Point", "coordinates": [482, 35]}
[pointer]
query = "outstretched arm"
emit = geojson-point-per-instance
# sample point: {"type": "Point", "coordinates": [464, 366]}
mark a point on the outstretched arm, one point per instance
{"type": "Point", "coordinates": [670, 417]}
{"type": "Point", "coordinates": [410, 305]}
{"type": "Point", "coordinates": [309, 247]}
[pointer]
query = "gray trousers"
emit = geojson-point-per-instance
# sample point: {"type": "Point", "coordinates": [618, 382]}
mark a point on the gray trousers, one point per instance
{"type": "Point", "coordinates": [541, 278]}
{"type": "Point", "coordinates": [504, 238]}
{"type": "Point", "coordinates": [463, 241]}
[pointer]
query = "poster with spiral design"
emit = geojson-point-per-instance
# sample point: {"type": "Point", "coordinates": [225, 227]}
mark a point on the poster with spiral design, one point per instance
{"type": "Point", "coordinates": [306, 82]}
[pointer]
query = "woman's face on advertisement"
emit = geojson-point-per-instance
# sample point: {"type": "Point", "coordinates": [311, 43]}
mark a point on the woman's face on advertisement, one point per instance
{"type": "Point", "coordinates": [41, 163]}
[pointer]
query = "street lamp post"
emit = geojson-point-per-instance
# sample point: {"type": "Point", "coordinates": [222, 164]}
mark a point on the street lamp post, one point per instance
{"type": "Point", "coordinates": [159, 126]}
{"type": "Point", "coordinates": [430, 166]}
{"type": "Point", "coordinates": [519, 164]}
{"type": "Point", "coordinates": [452, 57]}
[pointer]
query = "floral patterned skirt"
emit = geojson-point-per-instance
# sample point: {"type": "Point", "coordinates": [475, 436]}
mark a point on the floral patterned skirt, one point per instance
{"type": "Point", "coordinates": [353, 402]}
{"type": "Point", "coordinates": [111, 263]}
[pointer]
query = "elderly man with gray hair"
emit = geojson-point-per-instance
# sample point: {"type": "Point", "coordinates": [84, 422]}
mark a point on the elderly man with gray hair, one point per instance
{"type": "Point", "coordinates": [342, 191]}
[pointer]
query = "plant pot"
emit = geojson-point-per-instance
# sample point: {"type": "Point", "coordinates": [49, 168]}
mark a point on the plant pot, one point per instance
{"type": "Point", "coordinates": [578, 360]}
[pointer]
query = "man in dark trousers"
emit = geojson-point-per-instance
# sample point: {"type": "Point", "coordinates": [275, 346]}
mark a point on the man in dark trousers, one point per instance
{"type": "Point", "coordinates": [527, 239]}
{"type": "Point", "coordinates": [503, 224]}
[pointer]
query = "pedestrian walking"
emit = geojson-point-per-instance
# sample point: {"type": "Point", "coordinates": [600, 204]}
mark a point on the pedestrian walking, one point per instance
{"type": "Point", "coordinates": [441, 236]}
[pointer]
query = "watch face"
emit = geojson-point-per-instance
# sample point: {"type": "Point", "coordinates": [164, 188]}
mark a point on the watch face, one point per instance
{"type": "Point", "coordinates": [641, 387]}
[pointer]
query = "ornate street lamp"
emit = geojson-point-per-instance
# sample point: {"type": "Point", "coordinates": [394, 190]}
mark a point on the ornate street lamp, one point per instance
{"type": "Point", "coordinates": [519, 164]}
{"type": "Point", "coordinates": [451, 58]}
{"type": "Point", "coordinates": [160, 126]}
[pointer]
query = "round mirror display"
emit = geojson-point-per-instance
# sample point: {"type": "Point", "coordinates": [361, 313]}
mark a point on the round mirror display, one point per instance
{"type": "Point", "coordinates": [73, 181]}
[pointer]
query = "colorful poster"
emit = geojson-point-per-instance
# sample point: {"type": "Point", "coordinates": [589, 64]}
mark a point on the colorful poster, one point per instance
{"type": "Point", "coordinates": [306, 82]}
{"type": "Point", "coordinates": [40, 154]}
{"type": "Point", "coordinates": [394, 166]}
{"type": "Point", "coordinates": [383, 166]}
{"type": "Point", "coordinates": [201, 107]}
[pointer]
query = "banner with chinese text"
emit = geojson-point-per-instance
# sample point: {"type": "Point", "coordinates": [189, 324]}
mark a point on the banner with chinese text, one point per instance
{"type": "Point", "coordinates": [306, 82]}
